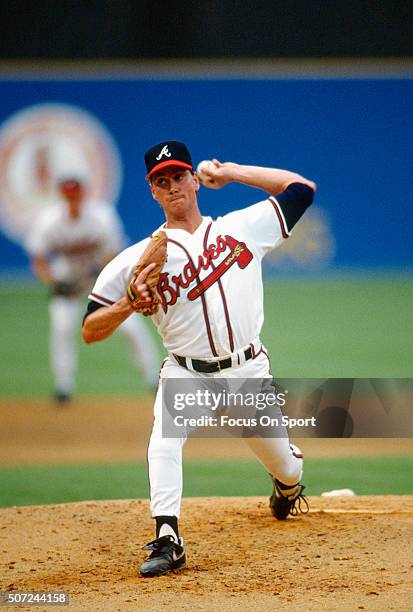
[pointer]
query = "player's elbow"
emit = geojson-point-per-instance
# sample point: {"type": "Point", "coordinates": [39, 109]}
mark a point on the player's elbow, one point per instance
{"type": "Point", "coordinates": [301, 193]}
{"type": "Point", "coordinates": [311, 184]}
{"type": "Point", "coordinates": [86, 335]}
{"type": "Point", "coordinates": [91, 332]}
{"type": "Point", "coordinates": [303, 186]}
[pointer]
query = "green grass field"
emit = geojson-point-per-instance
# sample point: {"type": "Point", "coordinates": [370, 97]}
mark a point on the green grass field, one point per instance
{"type": "Point", "coordinates": [337, 327]}
{"type": "Point", "coordinates": [47, 485]}
{"type": "Point", "coordinates": [348, 327]}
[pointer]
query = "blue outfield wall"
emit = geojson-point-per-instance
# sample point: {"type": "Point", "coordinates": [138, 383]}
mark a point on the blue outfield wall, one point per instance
{"type": "Point", "coordinates": [352, 136]}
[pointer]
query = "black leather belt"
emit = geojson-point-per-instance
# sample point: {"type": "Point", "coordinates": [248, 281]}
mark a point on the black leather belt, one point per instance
{"type": "Point", "coordinates": [209, 367]}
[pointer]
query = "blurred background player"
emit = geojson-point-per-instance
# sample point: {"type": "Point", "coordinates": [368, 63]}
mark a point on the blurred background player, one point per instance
{"type": "Point", "coordinates": [69, 244]}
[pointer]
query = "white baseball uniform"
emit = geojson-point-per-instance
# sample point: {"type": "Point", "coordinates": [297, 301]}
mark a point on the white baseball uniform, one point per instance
{"type": "Point", "coordinates": [211, 309]}
{"type": "Point", "coordinates": [76, 250]}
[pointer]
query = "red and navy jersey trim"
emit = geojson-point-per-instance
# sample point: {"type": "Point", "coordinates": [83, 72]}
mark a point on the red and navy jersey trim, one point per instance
{"type": "Point", "coordinates": [102, 299]}
{"type": "Point", "coordinates": [281, 220]}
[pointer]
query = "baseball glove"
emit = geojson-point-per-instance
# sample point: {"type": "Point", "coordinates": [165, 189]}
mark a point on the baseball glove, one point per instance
{"type": "Point", "coordinates": [155, 253]}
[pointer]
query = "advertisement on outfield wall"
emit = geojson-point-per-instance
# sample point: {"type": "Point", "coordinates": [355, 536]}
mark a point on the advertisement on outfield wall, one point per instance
{"type": "Point", "coordinates": [349, 135]}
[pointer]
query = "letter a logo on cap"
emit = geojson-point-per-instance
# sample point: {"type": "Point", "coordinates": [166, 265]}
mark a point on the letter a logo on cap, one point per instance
{"type": "Point", "coordinates": [165, 152]}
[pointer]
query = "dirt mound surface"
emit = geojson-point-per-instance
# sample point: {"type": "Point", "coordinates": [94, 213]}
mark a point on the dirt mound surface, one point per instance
{"type": "Point", "coordinates": [346, 554]}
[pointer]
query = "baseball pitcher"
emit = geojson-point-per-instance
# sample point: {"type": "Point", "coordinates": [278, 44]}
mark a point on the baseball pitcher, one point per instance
{"type": "Point", "coordinates": [200, 281]}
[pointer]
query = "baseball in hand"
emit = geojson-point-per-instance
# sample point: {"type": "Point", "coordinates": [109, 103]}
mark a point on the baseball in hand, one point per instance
{"type": "Point", "coordinates": [202, 166]}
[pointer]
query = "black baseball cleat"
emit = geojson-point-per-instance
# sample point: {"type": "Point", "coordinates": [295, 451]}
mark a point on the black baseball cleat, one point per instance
{"type": "Point", "coordinates": [282, 505]}
{"type": "Point", "coordinates": [61, 397]}
{"type": "Point", "coordinates": [167, 556]}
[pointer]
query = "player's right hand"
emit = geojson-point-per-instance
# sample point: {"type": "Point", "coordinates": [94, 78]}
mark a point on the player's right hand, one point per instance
{"type": "Point", "coordinates": [217, 174]}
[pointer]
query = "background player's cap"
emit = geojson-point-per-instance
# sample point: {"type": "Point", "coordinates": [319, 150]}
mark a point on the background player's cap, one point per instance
{"type": "Point", "coordinates": [71, 184]}
{"type": "Point", "coordinates": [168, 153]}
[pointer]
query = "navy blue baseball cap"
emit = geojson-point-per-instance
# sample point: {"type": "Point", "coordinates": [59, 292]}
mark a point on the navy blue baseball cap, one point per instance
{"type": "Point", "coordinates": [168, 153]}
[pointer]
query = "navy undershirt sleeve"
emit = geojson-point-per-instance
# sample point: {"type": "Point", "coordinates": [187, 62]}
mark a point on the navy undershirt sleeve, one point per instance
{"type": "Point", "coordinates": [294, 201]}
{"type": "Point", "coordinates": [91, 307]}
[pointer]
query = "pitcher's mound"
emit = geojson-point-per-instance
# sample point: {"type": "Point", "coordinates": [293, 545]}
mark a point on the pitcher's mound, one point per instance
{"type": "Point", "coordinates": [346, 554]}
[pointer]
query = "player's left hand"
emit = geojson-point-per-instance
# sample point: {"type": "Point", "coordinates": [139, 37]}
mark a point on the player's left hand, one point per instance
{"type": "Point", "coordinates": [142, 290]}
{"type": "Point", "coordinates": [139, 293]}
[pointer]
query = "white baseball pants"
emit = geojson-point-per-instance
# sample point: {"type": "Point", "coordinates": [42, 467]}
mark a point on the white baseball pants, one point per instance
{"type": "Point", "coordinates": [165, 454]}
{"type": "Point", "coordinates": [65, 313]}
